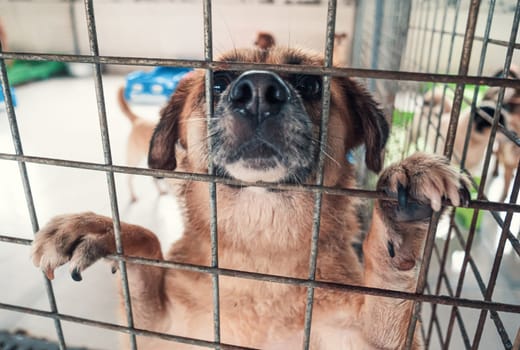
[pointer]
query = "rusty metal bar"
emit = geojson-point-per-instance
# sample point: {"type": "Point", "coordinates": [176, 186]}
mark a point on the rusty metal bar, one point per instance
{"type": "Point", "coordinates": [458, 94]}
{"type": "Point", "coordinates": [208, 56]}
{"type": "Point", "coordinates": [435, 299]}
{"type": "Point", "coordinates": [239, 66]}
{"type": "Point", "coordinates": [430, 239]}
{"type": "Point", "coordinates": [474, 204]}
{"type": "Point", "coordinates": [498, 259]}
{"type": "Point", "coordinates": [493, 314]}
{"type": "Point", "coordinates": [448, 240]}
{"type": "Point", "coordinates": [469, 242]}
{"type": "Point", "coordinates": [325, 112]}
{"type": "Point", "coordinates": [15, 135]}
{"type": "Point", "coordinates": [118, 328]}
{"type": "Point", "coordinates": [477, 38]}
{"type": "Point", "coordinates": [107, 153]}
{"type": "Point", "coordinates": [442, 265]}
{"type": "Point", "coordinates": [462, 326]}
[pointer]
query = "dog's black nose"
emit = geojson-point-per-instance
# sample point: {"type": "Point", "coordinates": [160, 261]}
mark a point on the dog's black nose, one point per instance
{"type": "Point", "coordinates": [259, 94]}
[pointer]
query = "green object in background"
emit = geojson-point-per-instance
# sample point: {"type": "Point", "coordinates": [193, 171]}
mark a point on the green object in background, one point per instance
{"type": "Point", "coordinates": [20, 72]}
{"type": "Point", "coordinates": [465, 215]}
{"type": "Point", "coordinates": [402, 117]}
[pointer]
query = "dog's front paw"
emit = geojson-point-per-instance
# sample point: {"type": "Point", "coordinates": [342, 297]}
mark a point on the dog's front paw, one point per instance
{"type": "Point", "coordinates": [81, 239]}
{"type": "Point", "coordinates": [421, 183]}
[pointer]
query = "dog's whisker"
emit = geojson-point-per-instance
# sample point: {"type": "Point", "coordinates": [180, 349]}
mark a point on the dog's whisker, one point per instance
{"type": "Point", "coordinates": [319, 143]}
{"type": "Point", "coordinates": [330, 157]}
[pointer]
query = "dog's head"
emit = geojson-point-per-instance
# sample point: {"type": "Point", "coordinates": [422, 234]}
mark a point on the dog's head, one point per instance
{"type": "Point", "coordinates": [264, 40]}
{"type": "Point", "coordinates": [481, 125]}
{"type": "Point", "coordinates": [266, 126]}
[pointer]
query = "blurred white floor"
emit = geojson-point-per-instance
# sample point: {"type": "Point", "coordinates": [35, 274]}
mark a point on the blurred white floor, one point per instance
{"type": "Point", "coordinates": [58, 118]}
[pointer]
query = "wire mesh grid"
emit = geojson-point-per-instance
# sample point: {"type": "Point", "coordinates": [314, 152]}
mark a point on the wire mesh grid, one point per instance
{"type": "Point", "coordinates": [408, 57]}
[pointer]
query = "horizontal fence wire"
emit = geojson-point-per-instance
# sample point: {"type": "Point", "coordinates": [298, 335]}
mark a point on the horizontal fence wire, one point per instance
{"type": "Point", "coordinates": [107, 154]}
{"type": "Point", "coordinates": [208, 55]}
{"type": "Point", "coordinates": [24, 176]}
{"type": "Point", "coordinates": [241, 66]}
{"type": "Point", "coordinates": [434, 299]}
{"type": "Point", "coordinates": [354, 192]}
{"type": "Point", "coordinates": [477, 38]}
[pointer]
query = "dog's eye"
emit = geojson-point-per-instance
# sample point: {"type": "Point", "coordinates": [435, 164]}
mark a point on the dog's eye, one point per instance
{"type": "Point", "coordinates": [309, 86]}
{"type": "Point", "coordinates": [221, 81]}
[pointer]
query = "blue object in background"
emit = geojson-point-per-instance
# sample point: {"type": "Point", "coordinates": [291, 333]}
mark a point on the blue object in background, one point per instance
{"type": "Point", "coordinates": [154, 87]}
{"type": "Point", "coordinates": [2, 99]}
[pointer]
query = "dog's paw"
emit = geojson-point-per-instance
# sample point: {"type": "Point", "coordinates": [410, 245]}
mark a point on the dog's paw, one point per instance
{"type": "Point", "coordinates": [80, 239]}
{"type": "Point", "coordinates": [421, 183]}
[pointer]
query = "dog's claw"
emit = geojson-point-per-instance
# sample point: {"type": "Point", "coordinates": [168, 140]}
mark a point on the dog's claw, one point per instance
{"type": "Point", "coordinates": [76, 275]}
{"type": "Point", "coordinates": [391, 249]}
{"type": "Point", "coordinates": [464, 196]}
{"type": "Point", "coordinates": [402, 195]}
{"type": "Point", "coordinates": [49, 273]}
{"type": "Point", "coordinates": [114, 268]}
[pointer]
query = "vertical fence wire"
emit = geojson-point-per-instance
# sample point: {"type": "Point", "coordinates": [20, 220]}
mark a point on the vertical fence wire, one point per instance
{"type": "Point", "coordinates": [430, 238]}
{"type": "Point", "coordinates": [413, 62]}
{"type": "Point", "coordinates": [432, 34]}
{"type": "Point", "coordinates": [208, 56]}
{"type": "Point", "coordinates": [74, 26]}
{"type": "Point", "coordinates": [448, 239]}
{"type": "Point", "coordinates": [448, 67]}
{"type": "Point", "coordinates": [107, 153]}
{"type": "Point", "coordinates": [325, 111]}
{"type": "Point", "coordinates": [15, 134]}
{"type": "Point", "coordinates": [408, 63]}
{"type": "Point", "coordinates": [500, 99]}
{"type": "Point", "coordinates": [497, 261]}
{"type": "Point", "coordinates": [483, 53]}
{"type": "Point", "coordinates": [376, 41]}
{"type": "Point", "coordinates": [505, 228]}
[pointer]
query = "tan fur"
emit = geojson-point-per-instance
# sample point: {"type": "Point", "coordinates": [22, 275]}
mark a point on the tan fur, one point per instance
{"type": "Point", "coordinates": [441, 114]}
{"type": "Point", "coordinates": [3, 41]}
{"type": "Point", "coordinates": [269, 232]}
{"type": "Point", "coordinates": [138, 141]}
{"type": "Point", "coordinates": [508, 153]}
{"type": "Point", "coordinates": [340, 54]}
{"type": "Point", "coordinates": [3, 37]}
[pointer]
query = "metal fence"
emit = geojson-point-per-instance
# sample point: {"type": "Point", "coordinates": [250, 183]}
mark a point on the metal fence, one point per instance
{"type": "Point", "coordinates": [406, 72]}
{"type": "Point", "coordinates": [443, 37]}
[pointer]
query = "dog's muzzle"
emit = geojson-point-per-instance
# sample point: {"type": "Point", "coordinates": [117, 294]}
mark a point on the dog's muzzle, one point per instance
{"type": "Point", "coordinates": [261, 130]}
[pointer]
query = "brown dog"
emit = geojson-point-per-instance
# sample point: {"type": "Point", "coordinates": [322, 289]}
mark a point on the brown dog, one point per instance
{"type": "Point", "coordinates": [265, 40]}
{"type": "Point", "coordinates": [340, 53]}
{"type": "Point", "coordinates": [3, 37]}
{"type": "Point", "coordinates": [266, 128]}
{"type": "Point", "coordinates": [138, 141]}
{"type": "Point", "coordinates": [439, 112]}
{"type": "Point", "coordinates": [508, 153]}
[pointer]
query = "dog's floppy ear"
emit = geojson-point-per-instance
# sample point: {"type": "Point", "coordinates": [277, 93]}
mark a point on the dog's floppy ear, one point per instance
{"type": "Point", "coordinates": [161, 154]}
{"type": "Point", "coordinates": [369, 121]}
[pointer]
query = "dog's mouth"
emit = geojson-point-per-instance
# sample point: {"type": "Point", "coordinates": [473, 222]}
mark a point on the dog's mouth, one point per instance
{"type": "Point", "coordinates": [257, 154]}
{"type": "Point", "coordinates": [261, 130]}
{"type": "Point", "coordinates": [255, 161]}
